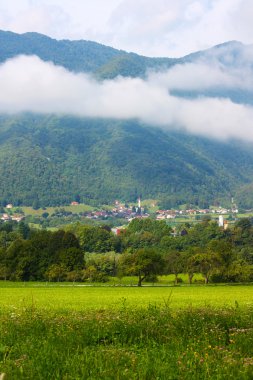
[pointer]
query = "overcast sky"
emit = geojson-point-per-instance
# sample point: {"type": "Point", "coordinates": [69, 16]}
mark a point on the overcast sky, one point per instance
{"type": "Point", "coordinates": [149, 27]}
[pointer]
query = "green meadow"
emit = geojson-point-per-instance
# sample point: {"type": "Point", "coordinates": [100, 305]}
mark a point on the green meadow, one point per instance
{"type": "Point", "coordinates": [80, 297]}
{"type": "Point", "coordinates": [66, 331]}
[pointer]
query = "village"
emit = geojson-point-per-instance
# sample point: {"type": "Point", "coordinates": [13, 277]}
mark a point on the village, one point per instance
{"type": "Point", "coordinates": [172, 214]}
{"type": "Point", "coordinates": [9, 216]}
{"type": "Point", "coordinates": [122, 212]}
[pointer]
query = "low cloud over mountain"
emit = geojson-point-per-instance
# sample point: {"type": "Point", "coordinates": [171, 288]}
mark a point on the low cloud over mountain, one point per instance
{"type": "Point", "coordinates": [188, 96]}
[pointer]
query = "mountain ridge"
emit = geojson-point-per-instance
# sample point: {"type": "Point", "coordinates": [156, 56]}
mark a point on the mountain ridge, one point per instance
{"type": "Point", "coordinates": [97, 56]}
{"type": "Point", "coordinates": [52, 159]}
{"type": "Point", "coordinates": [77, 56]}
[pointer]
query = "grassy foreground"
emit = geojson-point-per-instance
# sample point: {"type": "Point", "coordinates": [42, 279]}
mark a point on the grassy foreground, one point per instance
{"type": "Point", "coordinates": [66, 297]}
{"type": "Point", "coordinates": [126, 333]}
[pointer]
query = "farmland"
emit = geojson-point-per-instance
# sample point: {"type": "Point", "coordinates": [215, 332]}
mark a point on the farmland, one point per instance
{"type": "Point", "coordinates": [72, 305]}
{"type": "Point", "coordinates": [69, 297]}
{"type": "Point", "coordinates": [66, 331]}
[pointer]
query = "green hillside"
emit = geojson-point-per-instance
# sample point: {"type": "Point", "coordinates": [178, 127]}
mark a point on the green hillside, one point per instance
{"type": "Point", "coordinates": [106, 62]}
{"type": "Point", "coordinates": [79, 56]}
{"type": "Point", "coordinates": [50, 160]}
{"type": "Point", "coordinates": [47, 160]}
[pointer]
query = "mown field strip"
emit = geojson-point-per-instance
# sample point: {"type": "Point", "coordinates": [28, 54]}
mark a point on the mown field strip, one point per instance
{"type": "Point", "coordinates": [83, 298]}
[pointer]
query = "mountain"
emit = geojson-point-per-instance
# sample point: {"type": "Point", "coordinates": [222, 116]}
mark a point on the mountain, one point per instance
{"type": "Point", "coordinates": [107, 63]}
{"type": "Point", "coordinates": [79, 56]}
{"type": "Point", "coordinates": [229, 56]}
{"type": "Point", "coordinates": [52, 160]}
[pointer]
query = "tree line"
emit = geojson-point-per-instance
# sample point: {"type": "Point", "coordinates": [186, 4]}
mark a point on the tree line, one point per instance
{"type": "Point", "coordinates": [146, 248]}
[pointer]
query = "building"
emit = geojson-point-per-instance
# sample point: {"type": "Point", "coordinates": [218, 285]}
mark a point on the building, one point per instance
{"type": "Point", "coordinates": [221, 221]}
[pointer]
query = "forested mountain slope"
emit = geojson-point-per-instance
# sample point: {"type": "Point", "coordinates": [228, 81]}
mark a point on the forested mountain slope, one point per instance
{"type": "Point", "coordinates": [79, 56]}
{"type": "Point", "coordinates": [50, 160]}
{"type": "Point", "coordinates": [107, 62]}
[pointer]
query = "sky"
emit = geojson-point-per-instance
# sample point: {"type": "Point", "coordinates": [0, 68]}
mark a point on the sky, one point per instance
{"type": "Point", "coordinates": [154, 28]}
{"type": "Point", "coordinates": [149, 27]}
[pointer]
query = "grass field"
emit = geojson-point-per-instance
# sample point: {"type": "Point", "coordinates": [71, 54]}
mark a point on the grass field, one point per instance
{"type": "Point", "coordinates": [69, 297]}
{"type": "Point", "coordinates": [62, 332]}
{"type": "Point", "coordinates": [51, 210]}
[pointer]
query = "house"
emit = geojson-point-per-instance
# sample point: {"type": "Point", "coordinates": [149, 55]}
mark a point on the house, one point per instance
{"type": "Point", "coordinates": [74, 203]}
{"type": "Point", "coordinates": [161, 217]}
{"type": "Point", "coordinates": [171, 216]}
{"type": "Point", "coordinates": [116, 231]}
{"type": "Point", "coordinates": [5, 217]}
{"type": "Point", "coordinates": [9, 205]}
{"type": "Point", "coordinates": [17, 217]}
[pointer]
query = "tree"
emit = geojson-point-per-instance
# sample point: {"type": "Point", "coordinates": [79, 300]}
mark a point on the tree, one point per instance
{"type": "Point", "coordinates": [4, 272]}
{"type": "Point", "coordinates": [239, 271]}
{"type": "Point", "coordinates": [174, 264]}
{"type": "Point", "coordinates": [93, 239]}
{"type": "Point", "coordinates": [72, 258]}
{"type": "Point", "coordinates": [244, 223]}
{"type": "Point", "coordinates": [224, 250]}
{"type": "Point", "coordinates": [104, 262]}
{"type": "Point", "coordinates": [143, 263]}
{"type": "Point", "coordinates": [24, 230]}
{"type": "Point", "coordinates": [206, 263]}
{"type": "Point", "coordinates": [188, 262]}
{"type": "Point", "coordinates": [243, 232]}
{"type": "Point", "coordinates": [36, 204]}
{"type": "Point", "coordinates": [75, 275]}
{"type": "Point", "coordinates": [145, 233]}
{"type": "Point", "coordinates": [56, 272]}
{"type": "Point", "coordinates": [158, 228]}
{"type": "Point", "coordinates": [92, 274]}
{"type": "Point", "coordinates": [4, 239]}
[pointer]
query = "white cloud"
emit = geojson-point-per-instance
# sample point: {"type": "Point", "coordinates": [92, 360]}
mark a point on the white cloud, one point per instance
{"type": "Point", "coordinates": [175, 28]}
{"type": "Point", "coordinates": [148, 27]}
{"type": "Point", "coordinates": [32, 85]}
{"type": "Point", "coordinates": [201, 77]}
{"type": "Point", "coordinates": [57, 18]}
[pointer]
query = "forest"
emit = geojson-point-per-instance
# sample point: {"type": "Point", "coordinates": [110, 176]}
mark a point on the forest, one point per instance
{"type": "Point", "coordinates": [146, 248]}
{"type": "Point", "coordinates": [46, 160]}
{"type": "Point", "coordinates": [52, 160]}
